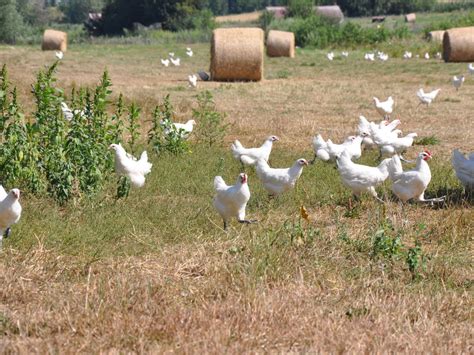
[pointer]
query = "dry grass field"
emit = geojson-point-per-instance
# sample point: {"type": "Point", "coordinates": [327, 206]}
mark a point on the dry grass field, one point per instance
{"type": "Point", "coordinates": [156, 273]}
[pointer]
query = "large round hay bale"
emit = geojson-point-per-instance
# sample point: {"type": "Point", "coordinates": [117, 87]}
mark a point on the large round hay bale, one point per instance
{"type": "Point", "coordinates": [332, 13]}
{"type": "Point", "coordinates": [410, 17]}
{"type": "Point", "coordinates": [458, 45]}
{"type": "Point", "coordinates": [237, 54]}
{"type": "Point", "coordinates": [436, 36]}
{"type": "Point", "coordinates": [54, 41]}
{"type": "Point", "coordinates": [277, 11]}
{"type": "Point", "coordinates": [281, 44]}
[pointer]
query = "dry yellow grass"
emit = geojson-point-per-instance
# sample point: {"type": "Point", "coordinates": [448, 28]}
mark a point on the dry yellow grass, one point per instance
{"type": "Point", "coordinates": [215, 294]}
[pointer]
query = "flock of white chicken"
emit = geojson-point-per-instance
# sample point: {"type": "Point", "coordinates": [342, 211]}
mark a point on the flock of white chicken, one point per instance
{"type": "Point", "coordinates": [231, 200]}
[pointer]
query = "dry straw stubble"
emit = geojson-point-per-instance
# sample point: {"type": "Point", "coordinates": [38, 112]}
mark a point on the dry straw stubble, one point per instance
{"type": "Point", "coordinates": [54, 40]}
{"type": "Point", "coordinates": [458, 45]}
{"type": "Point", "coordinates": [281, 44]}
{"type": "Point", "coordinates": [237, 54]}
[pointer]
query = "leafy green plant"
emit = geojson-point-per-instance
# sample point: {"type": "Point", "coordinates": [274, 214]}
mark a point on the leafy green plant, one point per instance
{"type": "Point", "coordinates": [211, 128]}
{"type": "Point", "coordinates": [415, 259]}
{"type": "Point", "coordinates": [133, 125]}
{"type": "Point", "coordinates": [163, 134]}
{"type": "Point", "coordinates": [429, 140]}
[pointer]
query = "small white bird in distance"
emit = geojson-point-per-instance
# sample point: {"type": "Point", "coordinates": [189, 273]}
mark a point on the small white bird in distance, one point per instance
{"type": "Point", "coordinates": [171, 54]}
{"type": "Point", "coordinates": [458, 81]}
{"type": "Point", "coordinates": [470, 67]}
{"type": "Point", "coordinates": [10, 210]}
{"type": "Point", "coordinates": [59, 54]}
{"type": "Point", "coordinates": [407, 55]}
{"type": "Point", "coordinates": [192, 80]}
{"type": "Point", "coordinates": [231, 201]}
{"type": "Point", "coordinates": [464, 168]}
{"type": "Point", "coordinates": [369, 56]}
{"type": "Point", "coordinates": [384, 108]}
{"type": "Point", "coordinates": [383, 57]}
{"type": "Point", "coordinates": [189, 52]}
{"type": "Point", "coordinates": [278, 181]}
{"type": "Point", "coordinates": [250, 156]}
{"type": "Point", "coordinates": [427, 97]}
{"type": "Point", "coordinates": [330, 55]}
{"type": "Point", "coordinates": [345, 54]}
{"type": "Point", "coordinates": [165, 62]}
{"type": "Point", "coordinates": [129, 166]}
{"type": "Point", "coordinates": [176, 62]}
{"type": "Point", "coordinates": [412, 184]}
{"type": "Point", "coordinates": [438, 55]}
{"type": "Point", "coordinates": [427, 56]}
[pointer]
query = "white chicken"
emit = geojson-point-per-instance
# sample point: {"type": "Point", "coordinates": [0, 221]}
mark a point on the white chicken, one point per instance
{"type": "Point", "coordinates": [327, 150]}
{"type": "Point", "coordinates": [407, 55]}
{"type": "Point", "coordinates": [458, 81]}
{"type": "Point", "coordinates": [427, 97]}
{"type": "Point", "coordinates": [250, 156]}
{"type": "Point", "coordinates": [10, 210]}
{"type": "Point", "coordinates": [68, 113]}
{"type": "Point", "coordinates": [184, 129]}
{"type": "Point", "coordinates": [231, 201]}
{"type": "Point", "coordinates": [59, 55]}
{"type": "Point", "coordinates": [330, 55]}
{"type": "Point", "coordinates": [383, 56]}
{"type": "Point", "coordinates": [412, 184]}
{"type": "Point", "coordinates": [470, 67]}
{"type": "Point", "coordinates": [165, 62]}
{"type": "Point", "coordinates": [464, 168]}
{"type": "Point", "coordinates": [361, 178]}
{"type": "Point", "coordinates": [127, 165]}
{"type": "Point", "coordinates": [384, 108]}
{"type": "Point", "coordinates": [192, 80]}
{"type": "Point", "coordinates": [189, 52]}
{"type": "Point", "coordinates": [438, 55]}
{"type": "Point", "coordinates": [383, 127]}
{"type": "Point", "coordinates": [171, 54]}
{"type": "Point", "coordinates": [369, 56]}
{"type": "Point", "coordinates": [427, 56]}
{"type": "Point", "coordinates": [345, 54]}
{"type": "Point", "coordinates": [278, 181]}
{"type": "Point", "coordinates": [388, 141]}
{"type": "Point", "coordinates": [176, 61]}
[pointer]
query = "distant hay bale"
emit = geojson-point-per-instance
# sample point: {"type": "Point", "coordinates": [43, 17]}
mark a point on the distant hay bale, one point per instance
{"type": "Point", "coordinates": [281, 44]}
{"type": "Point", "coordinates": [237, 54]}
{"type": "Point", "coordinates": [410, 17]}
{"type": "Point", "coordinates": [332, 13]}
{"type": "Point", "coordinates": [277, 11]}
{"type": "Point", "coordinates": [436, 36]}
{"type": "Point", "coordinates": [458, 45]}
{"type": "Point", "coordinates": [54, 41]}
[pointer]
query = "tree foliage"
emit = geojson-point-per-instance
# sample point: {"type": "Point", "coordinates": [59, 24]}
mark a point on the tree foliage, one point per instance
{"type": "Point", "coordinates": [11, 22]}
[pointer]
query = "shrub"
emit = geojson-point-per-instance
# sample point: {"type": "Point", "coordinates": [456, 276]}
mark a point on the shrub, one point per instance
{"type": "Point", "coordinates": [211, 128]}
{"type": "Point", "coordinates": [300, 8]}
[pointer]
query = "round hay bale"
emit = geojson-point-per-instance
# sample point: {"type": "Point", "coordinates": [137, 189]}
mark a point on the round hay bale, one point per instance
{"type": "Point", "coordinates": [54, 41]}
{"type": "Point", "coordinates": [281, 44]}
{"type": "Point", "coordinates": [436, 36]}
{"type": "Point", "coordinates": [277, 11]}
{"type": "Point", "coordinates": [332, 13]}
{"type": "Point", "coordinates": [458, 45]}
{"type": "Point", "coordinates": [410, 17]}
{"type": "Point", "coordinates": [237, 54]}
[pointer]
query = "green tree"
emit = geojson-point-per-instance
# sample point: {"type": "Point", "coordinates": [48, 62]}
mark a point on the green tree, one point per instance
{"type": "Point", "coordinates": [11, 22]}
{"type": "Point", "coordinates": [76, 11]}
